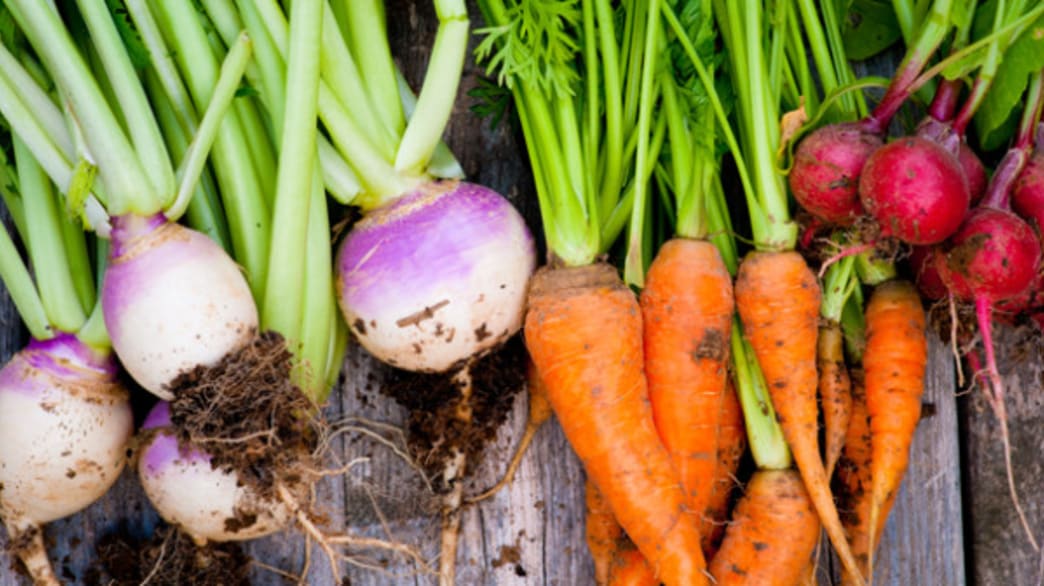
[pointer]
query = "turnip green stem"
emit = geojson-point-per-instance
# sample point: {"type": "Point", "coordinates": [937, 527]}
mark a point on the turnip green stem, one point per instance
{"type": "Point", "coordinates": [318, 311]}
{"type": "Point", "coordinates": [439, 92]}
{"type": "Point", "coordinates": [93, 332]}
{"type": "Point", "coordinates": [46, 244]}
{"type": "Point", "coordinates": [130, 95]}
{"type": "Point", "coordinates": [21, 289]}
{"type": "Point", "coordinates": [125, 179]}
{"type": "Point", "coordinates": [368, 38]}
{"type": "Point", "coordinates": [196, 156]}
{"type": "Point", "coordinates": [283, 303]}
{"type": "Point", "coordinates": [443, 164]}
{"type": "Point", "coordinates": [44, 110]}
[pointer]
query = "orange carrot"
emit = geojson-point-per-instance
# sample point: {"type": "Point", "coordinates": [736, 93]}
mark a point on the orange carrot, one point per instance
{"type": "Point", "coordinates": [732, 443]}
{"type": "Point", "coordinates": [772, 534]}
{"type": "Point", "coordinates": [687, 308]}
{"type": "Point", "coordinates": [853, 478]}
{"type": "Point", "coordinates": [584, 332]}
{"type": "Point", "coordinates": [630, 568]}
{"type": "Point", "coordinates": [603, 532]}
{"type": "Point", "coordinates": [894, 363]}
{"type": "Point", "coordinates": [778, 300]}
{"type": "Point", "coordinates": [539, 413]}
{"type": "Point", "coordinates": [834, 392]}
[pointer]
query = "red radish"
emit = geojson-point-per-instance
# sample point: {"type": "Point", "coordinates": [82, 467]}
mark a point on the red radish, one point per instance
{"type": "Point", "coordinates": [926, 273]}
{"type": "Point", "coordinates": [1027, 198]}
{"type": "Point", "coordinates": [915, 189]}
{"type": "Point", "coordinates": [995, 255]}
{"type": "Point", "coordinates": [827, 165]}
{"type": "Point", "coordinates": [974, 171]}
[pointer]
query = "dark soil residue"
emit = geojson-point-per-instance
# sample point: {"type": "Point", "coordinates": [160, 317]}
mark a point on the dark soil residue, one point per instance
{"type": "Point", "coordinates": [248, 415]}
{"type": "Point", "coordinates": [169, 557]}
{"type": "Point", "coordinates": [435, 429]}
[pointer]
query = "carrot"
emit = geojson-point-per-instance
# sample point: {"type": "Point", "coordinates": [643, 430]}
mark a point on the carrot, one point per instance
{"type": "Point", "coordinates": [630, 569]}
{"type": "Point", "coordinates": [778, 301]}
{"type": "Point", "coordinates": [583, 331]}
{"type": "Point", "coordinates": [539, 412]}
{"type": "Point", "coordinates": [602, 531]}
{"type": "Point", "coordinates": [834, 392]}
{"type": "Point", "coordinates": [732, 443]}
{"type": "Point", "coordinates": [772, 534]}
{"type": "Point", "coordinates": [853, 478]}
{"type": "Point", "coordinates": [894, 362]}
{"type": "Point", "coordinates": [687, 310]}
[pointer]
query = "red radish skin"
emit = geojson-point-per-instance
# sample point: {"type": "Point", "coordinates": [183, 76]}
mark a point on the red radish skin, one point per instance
{"type": "Point", "coordinates": [1027, 197]}
{"type": "Point", "coordinates": [974, 171]}
{"type": "Point", "coordinates": [926, 274]}
{"type": "Point", "coordinates": [915, 190]}
{"type": "Point", "coordinates": [995, 255]}
{"type": "Point", "coordinates": [827, 165]}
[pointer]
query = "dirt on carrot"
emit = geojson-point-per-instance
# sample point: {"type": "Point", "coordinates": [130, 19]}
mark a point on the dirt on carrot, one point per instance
{"type": "Point", "coordinates": [834, 392]}
{"type": "Point", "coordinates": [435, 432]}
{"type": "Point", "coordinates": [167, 558]}
{"type": "Point", "coordinates": [852, 483]}
{"type": "Point", "coordinates": [248, 415]}
{"type": "Point", "coordinates": [772, 535]}
{"type": "Point", "coordinates": [732, 445]}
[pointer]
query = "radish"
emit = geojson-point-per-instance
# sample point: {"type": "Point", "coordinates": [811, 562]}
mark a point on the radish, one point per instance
{"type": "Point", "coordinates": [1027, 198]}
{"type": "Point", "coordinates": [926, 272]}
{"type": "Point", "coordinates": [827, 166]}
{"type": "Point", "coordinates": [188, 492]}
{"type": "Point", "coordinates": [915, 190]}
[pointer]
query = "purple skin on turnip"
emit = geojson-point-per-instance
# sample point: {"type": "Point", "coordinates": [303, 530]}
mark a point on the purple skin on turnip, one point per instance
{"type": "Point", "coordinates": [188, 492]}
{"type": "Point", "coordinates": [172, 299]}
{"type": "Point", "coordinates": [64, 426]}
{"type": "Point", "coordinates": [437, 276]}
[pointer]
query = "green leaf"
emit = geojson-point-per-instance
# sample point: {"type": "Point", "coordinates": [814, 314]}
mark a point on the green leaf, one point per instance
{"type": "Point", "coordinates": [870, 27]}
{"type": "Point", "coordinates": [997, 116]}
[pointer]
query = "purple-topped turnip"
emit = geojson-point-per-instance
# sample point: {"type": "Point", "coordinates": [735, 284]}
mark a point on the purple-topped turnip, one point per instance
{"type": "Point", "coordinates": [436, 276]}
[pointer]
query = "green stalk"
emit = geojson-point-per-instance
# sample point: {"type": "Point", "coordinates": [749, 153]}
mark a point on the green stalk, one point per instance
{"type": "Point", "coordinates": [838, 284]}
{"type": "Point", "coordinates": [764, 433]}
{"type": "Point", "coordinates": [9, 193]}
{"type": "Point", "coordinates": [76, 256]}
{"type": "Point", "coordinates": [21, 289]}
{"type": "Point", "coordinates": [368, 35]}
{"type": "Point", "coordinates": [283, 304]}
{"type": "Point", "coordinates": [613, 172]}
{"type": "Point", "coordinates": [634, 267]}
{"type": "Point", "coordinates": [872, 270]}
{"type": "Point", "coordinates": [46, 245]}
{"type": "Point", "coordinates": [44, 110]}
{"type": "Point", "coordinates": [130, 95]}
{"type": "Point", "coordinates": [439, 92]}
{"type": "Point", "coordinates": [906, 17]}
{"type": "Point", "coordinates": [191, 166]}
{"type": "Point", "coordinates": [204, 211]}
{"type": "Point", "coordinates": [852, 102]}
{"type": "Point", "coordinates": [245, 207]}
{"type": "Point", "coordinates": [443, 164]}
{"type": "Point", "coordinates": [853, 325]}
{"type": "Point", "coordinates": [319, 305]}
{"type": "Point", "coordinates": [126, 183]}
{"type": "Point", "coordinates": [270, 61]}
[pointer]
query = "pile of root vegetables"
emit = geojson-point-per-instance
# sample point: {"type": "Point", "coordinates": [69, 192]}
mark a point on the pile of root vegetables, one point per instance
{"type": "Point", "coordinates": [730, 326]}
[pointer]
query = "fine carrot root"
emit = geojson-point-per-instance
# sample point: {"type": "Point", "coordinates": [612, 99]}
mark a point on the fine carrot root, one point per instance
{"type": "Point", "coordinates": [629, 568]}
{"type": "Point", "coordinates": [778, 300]}
{"type": "Point", "coordinates": [687, 306]}
{"type": "Point", "coordinates": [732, 443]}
{"type": "Point", "coordinates": [539, 413]}
{"type": "Point", "coordinates": [894, 363]}
{"type": "Point", "coordinates": [602, 531]}
{"type": "Point", "coordinates": [772, 534]}
{"type": "Point", "coordinates": [596, 386]}
{"type": "Point", "coordinates": [853, 479]}
{"type": "Point", "coordinates": [834, 392]}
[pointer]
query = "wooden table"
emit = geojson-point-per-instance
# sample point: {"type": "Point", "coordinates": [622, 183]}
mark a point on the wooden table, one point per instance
{"type": "Point", "coordinates": [953, 522]}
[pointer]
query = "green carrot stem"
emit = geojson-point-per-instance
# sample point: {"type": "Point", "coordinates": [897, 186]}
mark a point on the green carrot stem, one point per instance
{"type": "Point", "coordinates": [838, 284]}
{"type": "Point", "coordinates": [613, 171]}
{"type": "Point", "coordinates": [191, 166]}
{"type": "Point", "coordinates": [130, 95]}
{"type": "Point", "coordinates": [21, 289]}
{"type": "Point", "coordinates": [125, 179]}
{"type": "Point", "coordinates": [853, 325]}
{"type": "Point", "coordinates": [873, 270]}
{"type": "Point", "coordinates": [763, 431]}
{"type": "Point", "coordinates": [439, 92]}
{"type": "Point", "coordinates": [283, 304]}
{"type": "Point", "coordinates": [634, 267]}
{"type": "Point", "coordinates": [46, 245]}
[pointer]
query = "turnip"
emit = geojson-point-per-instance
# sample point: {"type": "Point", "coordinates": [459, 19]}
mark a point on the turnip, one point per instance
{"type": "Point", "coordinates": [64, 418]}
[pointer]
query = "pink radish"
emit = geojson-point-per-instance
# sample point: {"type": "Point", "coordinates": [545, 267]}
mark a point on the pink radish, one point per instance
{"type": "Point", "coordinates": [827, 165]}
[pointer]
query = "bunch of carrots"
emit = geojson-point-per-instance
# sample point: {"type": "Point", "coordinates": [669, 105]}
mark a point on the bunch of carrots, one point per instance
{"type": "Point", "coordinates": [660, 406]}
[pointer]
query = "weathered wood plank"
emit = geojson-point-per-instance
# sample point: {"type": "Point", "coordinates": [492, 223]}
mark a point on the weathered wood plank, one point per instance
{"type": "Point", "coordinates": [999, 548]}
